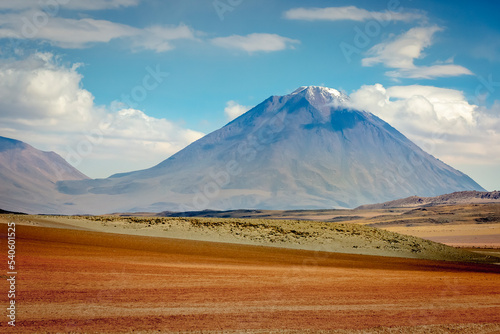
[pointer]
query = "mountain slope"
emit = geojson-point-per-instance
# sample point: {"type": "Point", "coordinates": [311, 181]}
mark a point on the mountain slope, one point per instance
{"type": "Point", "coordinates": [28, 177]}
{"type": "Point", "coordinates": [303, 150]}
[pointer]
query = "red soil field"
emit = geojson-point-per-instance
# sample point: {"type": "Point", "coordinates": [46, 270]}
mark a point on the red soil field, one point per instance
{"type": "Point", "coordinates": [80, 281]}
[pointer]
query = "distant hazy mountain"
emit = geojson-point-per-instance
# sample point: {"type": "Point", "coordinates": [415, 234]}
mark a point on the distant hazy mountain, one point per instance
{"type": "Point", "coordinates": [28, 177]}
{"type": "Point", "coordinates": [460, 197]}
{"type": "Point", "coordinates": [304, 150]}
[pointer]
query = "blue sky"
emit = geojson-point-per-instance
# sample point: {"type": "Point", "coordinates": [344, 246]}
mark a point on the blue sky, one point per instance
{"type": "Point", "coordinates": [120, 85]}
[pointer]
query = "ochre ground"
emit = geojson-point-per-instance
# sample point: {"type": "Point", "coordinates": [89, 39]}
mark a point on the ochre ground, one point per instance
{"type": "Point", "coordinates": [465, 235]}
{"type": "Point", "coordinates": [81, 281]}
{"type": "Point", "coordinates": [465, 225]}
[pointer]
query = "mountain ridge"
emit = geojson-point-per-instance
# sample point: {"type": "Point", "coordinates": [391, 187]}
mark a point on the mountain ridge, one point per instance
{"type": "Point", "coordinates": [460, 197]}
{"type": "Point", "coordinates": [28, 177]}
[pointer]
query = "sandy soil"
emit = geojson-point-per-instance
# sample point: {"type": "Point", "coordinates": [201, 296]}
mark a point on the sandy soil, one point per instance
{"type": "Point", "coordinates": [84, 281]}
{"type": "Point", "coordinates": [466, 235]}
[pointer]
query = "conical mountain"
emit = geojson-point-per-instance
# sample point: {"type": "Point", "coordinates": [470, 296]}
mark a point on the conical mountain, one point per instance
{"type": "Point", "coordinates": [304, 150]}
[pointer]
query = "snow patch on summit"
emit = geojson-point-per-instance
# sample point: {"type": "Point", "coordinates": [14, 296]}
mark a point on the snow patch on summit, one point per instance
{"type": "Point", "coordinates": [323, 98]}
{"type": "Point", "coordinates": [315, 90]}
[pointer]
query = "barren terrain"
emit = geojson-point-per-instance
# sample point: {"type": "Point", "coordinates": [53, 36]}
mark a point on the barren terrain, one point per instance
{"type": "Point", "coordinates": [78, 280]}
{"type": "Point", "coordinates": [467, 225]}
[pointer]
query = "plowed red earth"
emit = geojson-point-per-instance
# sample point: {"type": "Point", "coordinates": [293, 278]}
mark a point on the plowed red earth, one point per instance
{"type": "Point", "coordinates": [78, 281]}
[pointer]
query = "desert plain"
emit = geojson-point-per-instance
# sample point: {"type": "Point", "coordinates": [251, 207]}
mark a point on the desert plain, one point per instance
{"type": "Point", "coordinates": [348, 273]}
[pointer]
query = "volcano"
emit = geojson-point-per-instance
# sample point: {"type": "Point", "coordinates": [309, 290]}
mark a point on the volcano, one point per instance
{"type": "Point", "coordinates": [304, 150]}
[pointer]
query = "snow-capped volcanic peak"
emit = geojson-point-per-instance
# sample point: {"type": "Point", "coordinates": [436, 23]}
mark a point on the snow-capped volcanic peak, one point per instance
{"type": "Point", "coordinates": [323, 98]}
{"type": "Point", "coordinates": [321, 94]}
{"type": "Point", "coordinates": [314, 90]}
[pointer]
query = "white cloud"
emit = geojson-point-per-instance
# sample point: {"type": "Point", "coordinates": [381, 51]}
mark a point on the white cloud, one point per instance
{"type": "Point", "coordinates": [439, 120]}
{"type": "Point", "coordinates": [38, 88]}
{"type": "Point", "coordinates": [233, 110]}
{"type": "Point", "coordinates": [401, 51]}
{"type": "Point", "coordinates": [38, 25]}
{"type": "Point", "coordinates": [350, 13]}
{"type": "Point", "coordinates": [256, 42]}
{"type": "Point", "coordinates": [81, 33]}
{"type": "Point", "coordinates": [66, 4]}
{"type": "Point", "coordinates": [430, 72]}
{"type": "Point", "coordinates": [42, 102]}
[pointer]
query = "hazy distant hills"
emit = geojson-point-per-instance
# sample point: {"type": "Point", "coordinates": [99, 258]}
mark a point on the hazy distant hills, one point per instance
{"type": "Point", "coordinates": [461, 197]}
{"type": "Point", "coordinates": [28, 177]}
{"type": "Point", "coordinates": [304, 150]}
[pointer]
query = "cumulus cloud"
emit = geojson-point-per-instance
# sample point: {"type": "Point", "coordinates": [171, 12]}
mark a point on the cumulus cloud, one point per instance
{"type": "Point", "coordinates": [43, 103]}
{"type": "Point", "coordinates": [38, 88]}
{"type": "Point", "coordinates": [401, 51]}
{"type": "Point", "coordinates": [234, 110]}
{"type": "Point", "coordinates": [350, 13]}
{"type": "Point", "coordinates": [256, 42]}
{"type": "Point", "coordinates": [439, 120]}
{"type": "Point", "coordinates": [82, 33]}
